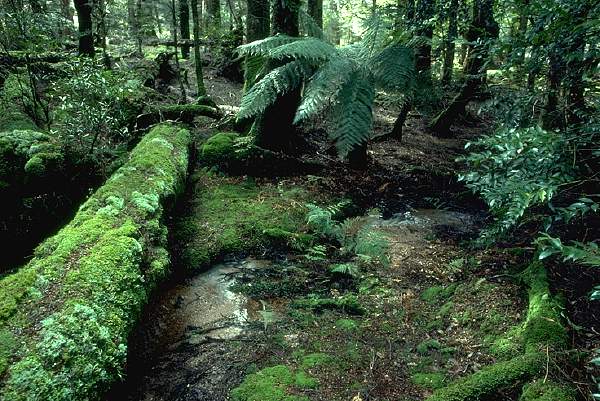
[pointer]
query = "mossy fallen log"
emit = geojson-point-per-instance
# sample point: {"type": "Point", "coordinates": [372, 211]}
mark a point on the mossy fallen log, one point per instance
{"type": "Point", "coordinates": [176, 112]}
{"type": "Point", "coordinates": [66, 315]}
{"type": "Point", "coordinates": [541, 331]}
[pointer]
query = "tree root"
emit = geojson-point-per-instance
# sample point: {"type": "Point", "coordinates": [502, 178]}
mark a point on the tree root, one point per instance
{"type": "Point", "coordinates": [541, 331]}
{"type": "Point", "coordinates": [178, 112]}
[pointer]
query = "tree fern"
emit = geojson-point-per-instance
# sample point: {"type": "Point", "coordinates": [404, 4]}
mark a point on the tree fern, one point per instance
{"type": "Point", "coordinates": [344, 78]}
{"type": "Point", "coordinates": [277, 82]}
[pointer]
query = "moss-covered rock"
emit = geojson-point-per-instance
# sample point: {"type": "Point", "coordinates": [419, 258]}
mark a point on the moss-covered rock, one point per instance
{"type": "Point", "coordinates": [219, 150]}
{"type": "Point", "coordinates": [72, 307]}
{"type": "Point", "coordinates": [269, 384]}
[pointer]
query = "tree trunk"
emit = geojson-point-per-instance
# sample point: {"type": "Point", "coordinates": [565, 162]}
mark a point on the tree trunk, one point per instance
{"type": "Point", "coordinates": [274, 128]}
{"type": "Point", "coordinates": [257, 27]}
{"type": "Point", "coordinates": [315, 10]}
{"type": "Point", "coordinates": [334, 23]}
{"type": "Point", "coordinates": [84, 17]}
{"type": "Point", "coordinates": [450, 45]}
{"type": "Point", "coordinates": [423, 14]}
{"type": "Point", "coordinates": [213, 15]}
{"type": "Point", "coordinates": [551, 117]}
{"type": "Point", "coordinates": [184, 27]}
{"type": "Point", "coordinates": [197, 57]}
{"type": "Point", "coordinates": [177, 66]}
{"type": "Point", "coordinates": [575, 101]}
{"type": "Point", "coordinates": [482, 30]}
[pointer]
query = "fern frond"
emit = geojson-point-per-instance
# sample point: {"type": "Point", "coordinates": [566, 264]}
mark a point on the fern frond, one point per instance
{"type": "Point", "coordinates": [305, 48]}
{"type": "Point", "coordinates": [323, 87]}
{"type": "Point", "coordinates": [394, 68]}
{"type": "Point", "coordinates": [355, 113]}
{"type": "Point", "coordinates": [262, 47]}
{"type": "Point", "coordinates": [309, 27]}
{"type": "Point", "coordinates": [276, 83]}
{"type": "Point", "coordinates": [374, 38]}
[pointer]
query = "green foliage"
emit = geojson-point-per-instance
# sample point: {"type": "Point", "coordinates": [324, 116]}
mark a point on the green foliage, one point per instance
{"type": "Point", "coordinates": [515, 169]}
{"type": "Point", "coordinates": [347, 269]}
{"type": "Point", "coordinates": [346, 303]}
{"type": "Point", "coordinates": [438, 294]}
{"type": "Point", "coordinates": [74, 304]}
{"type": "Point", "coordinates": [342, 78]}
{"type": "Point", "coordinates": [429, 380]}
{"type": "Point", "coordinates": [95, 108]}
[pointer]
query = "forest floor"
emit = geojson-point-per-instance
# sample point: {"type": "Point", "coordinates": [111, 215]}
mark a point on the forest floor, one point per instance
{"type": "Point", "coordinates": [430, 315]}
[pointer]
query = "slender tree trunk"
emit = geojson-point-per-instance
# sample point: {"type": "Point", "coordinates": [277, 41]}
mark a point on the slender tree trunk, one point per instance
{"type": "Point", "coordinates": [334, 23]}
{"type": "Point", "coordinates": [483, 29]}
{"type": "Point", "coordinates": [551, 117]}
{"type": "Point", "coordinates": [423, 14]}
{"type": "Point", "coordinates": [175, 44]}
{"type": "Point", "coordinates": [257, 27]}
{"type": "Point", "coordinates": [197, 57]}
{"type": "Point", "coordinates": [315, 10]}
{"type": "Point", "coordinates": [184, 26]}
{"type": "Point", "coordinates": [450, 45]}
{"type": "Point", "coordinates": [274, 128]}
{"type": "Point", "coordinates": [213, 15]}
{"type": "Point", "coordinates": [575, 67]}
{"type": "Point", "coordinates": [84, 17]}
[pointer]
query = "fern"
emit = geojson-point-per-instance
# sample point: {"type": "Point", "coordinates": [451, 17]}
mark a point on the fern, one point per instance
{"type": "Point", "coordinates": [277, 82]}
{"type": "Point", "coordinates": [355, 113]}
{"type": "Point", "coordinates": [263, 47]}
{"type": "Point", "coordinates": [306, 48]}
{"type": "Point", "coordinates": [324, 86]}
{"type": "Point", "coordinates": [343, 78]}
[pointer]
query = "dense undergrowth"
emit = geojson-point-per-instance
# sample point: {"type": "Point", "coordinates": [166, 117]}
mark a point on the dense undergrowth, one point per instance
{"type": "Point", "coordinates": [65, 316]}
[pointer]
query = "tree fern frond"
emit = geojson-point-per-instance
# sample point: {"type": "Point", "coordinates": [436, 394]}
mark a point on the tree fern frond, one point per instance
{"type": "Point", "coordinates": [354, 113]}
{"type": "Point", "coordinates": [323, 86]}
{"type": "Point", "coordinates": [277, 82]}
{"type": "Point", "coordinates": [309, 27]}
{"type": "Point", "coordinates": [394, 68]}
{"type": "Point", "coordinates": [306, 48]}
{"type": "Point", "coordinates": [374, 38]}
{"type": "Point", "coordinates": [262, 47]}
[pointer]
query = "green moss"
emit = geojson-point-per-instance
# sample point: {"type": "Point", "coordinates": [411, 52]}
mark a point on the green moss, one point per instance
{"type": "Point", "coordinates": [438, 293]}
{"type": "Point", "coordinates": [429, 380]}
{"type": "Point", "coordinates": [229, 217]}
{"type": "Point", "coordinates": [269, 384]}
{"type": "Point", "coordinates": [541, 390]}
{"type": "Point", "coordinates": [346, 303]}
{"type": "Point", "coordinates": [219, 149]}
{"type": "Point", "coordinates": [346, 324]}
{"type": "Point", "coordinates": [75, 303]}
{"type": "Point", "coordinates": [424, 347]}
{"type": "Point", "coordinates": [7, 346]}
{"type": "Point", "coordinates": [316, 359]}
{"type": "Point", "coordinates": [489, 379]}
{"type": "Point", "coordinates": [304, 380]}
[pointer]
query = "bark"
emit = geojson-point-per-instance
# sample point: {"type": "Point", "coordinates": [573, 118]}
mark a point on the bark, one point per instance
{"type": "Point", "coordinates": [197, 56]}
{"type": "Point", "coordinates": [334, 23]}
{"type": "Point", "coordinates": [274, 128]}
{"type": "Point", "coordinates": [177, 66]}
{"type": "Point", "coordinates": [315, 10]}
{"type": "Point", "coordinates": [257, 27]}
{"type": "Point", "coordinates": [213, 15]}
{"type": "Point", "coordinates": [575, 67]}
{"type": "Point", "coordinates": [84, 16]}
{"type": "Point", "coordinates": [551, 118]}
{"type": "Point", "coordinates": [482, 30]}
{"type": "Point", "coordinates": [450, 45]}
{"type": "Point", "coordinates": [184, 27]}
{"type": "Point", "coordinates": [424, 12]}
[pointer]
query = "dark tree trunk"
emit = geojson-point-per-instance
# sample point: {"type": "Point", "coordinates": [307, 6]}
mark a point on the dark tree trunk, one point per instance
{"type": "Point", "coordinates": [551, 117]}
{"type": "Point", "coordinates": [178, 72]}
{"type": "Point", "coordinates": [482, 30]}
{"type": "Point", "coordinates": [274, 128]}
{"type": "Point", "coordinates": [575, 101]}
{"type": "Point", "coordinates": [334, 23]}
{"type": "Point", "coordinates": [184, 27]}
{"type": "Point", "coordinates": [423, 14]}
{"type": "Point", "coordinates": [315, 10]}
{"type": "Point", "coordinates": [84, 16]}
{"type": "Point", "coordinates": [213, 15]}
{"type": "Point", "coordinates": [257, 27]}
{"type": "Point", "coordinates": [450, 45]}
{"type": "Point", "coordinates": [197, 57]}
{"type": "Point", "coordinates": [397, 131]}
